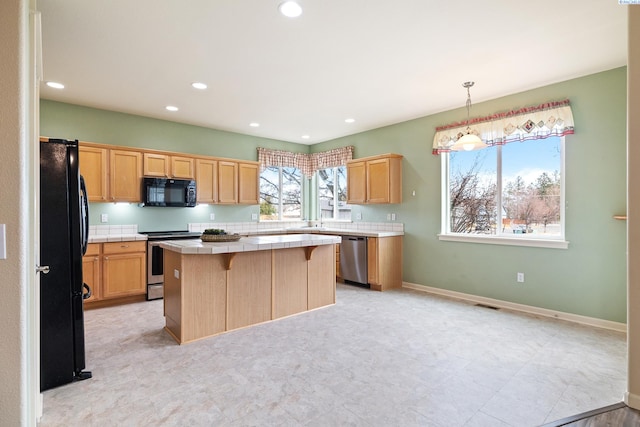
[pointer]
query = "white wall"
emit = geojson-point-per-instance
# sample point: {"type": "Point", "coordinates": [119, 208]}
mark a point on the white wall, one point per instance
{"type": "Point", "coordinates": [16, 397]}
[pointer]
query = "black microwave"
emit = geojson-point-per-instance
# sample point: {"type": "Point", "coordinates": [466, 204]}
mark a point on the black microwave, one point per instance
{"type": "Point", "coordinates": [169, 192]}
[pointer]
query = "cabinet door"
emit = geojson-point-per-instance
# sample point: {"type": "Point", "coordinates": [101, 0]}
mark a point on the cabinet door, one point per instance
{"type": "Point", "coordinates": [372, 260]}
{"type": "Point", "coordinates": [378, 181]}
{"type": "Point", "coordinates": [155, 165]}
{"type": "Point", "coordinates": [356, 183]}
{"type": "Point", "coordinates": [227, 182]}
{"type": "Point", "coordinates": [248, 183]}
{"type": "Point", "coordinates": [93, 167]}
{"type": "Point", "coordinates": [91, 276]}
{"type": "Point", "coordinates": [123, 275]}
{"type": "Point", "coordinates": [207, 180]}
{"type": "Point", "coordinates": [182, 167]}
{"type": "Point", "coordinates": [125, 175]}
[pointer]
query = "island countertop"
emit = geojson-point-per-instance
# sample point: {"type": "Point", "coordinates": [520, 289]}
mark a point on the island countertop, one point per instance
{"type": "Point", "coordinates": [247, 244]}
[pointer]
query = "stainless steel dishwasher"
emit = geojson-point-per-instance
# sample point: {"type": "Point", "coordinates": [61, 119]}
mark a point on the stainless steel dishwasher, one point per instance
{"type": "Point", "coordinates": [353, 259]}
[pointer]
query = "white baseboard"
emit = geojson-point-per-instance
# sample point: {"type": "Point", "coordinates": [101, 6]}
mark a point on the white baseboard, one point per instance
{"type": "Point", "coordinates": [632, 400]}
{"type": "Point", "coordinates": [576, 318]}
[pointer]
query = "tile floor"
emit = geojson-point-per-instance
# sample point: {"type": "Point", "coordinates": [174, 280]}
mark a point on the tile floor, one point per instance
{"type": "Point", "coordinates": [401, 358]}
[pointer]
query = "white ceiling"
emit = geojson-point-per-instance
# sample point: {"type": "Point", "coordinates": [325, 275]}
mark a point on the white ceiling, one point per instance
{"type": "Point", "coordinates": [379, 62]}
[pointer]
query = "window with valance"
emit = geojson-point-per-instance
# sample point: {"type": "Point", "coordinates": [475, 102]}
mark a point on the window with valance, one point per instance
{"type": "Point", "coordinates": [512, 191]}
{"type": "Point", "coordinates": [542, 121]}
{"type": "Point", "coordinates": [307, 163]}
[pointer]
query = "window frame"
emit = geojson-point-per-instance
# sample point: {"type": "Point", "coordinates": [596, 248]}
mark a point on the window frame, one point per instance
{"type": "Point", "coordinates": [280, 198]}
{"type": "Point", "coordinates": [335, 195]}
{"type": "Point", "coordinates": [555, 242]}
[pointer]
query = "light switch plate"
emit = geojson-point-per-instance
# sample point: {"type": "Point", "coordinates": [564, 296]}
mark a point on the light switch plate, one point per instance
{"type": "Point", "coordinates": [176, 274]}
{"type": "Point", "coordinates": [3, 241]}
{"type": "Point", "coordinates": [212, 216]}
{"type": "Point", "coordinates": [104, 218]}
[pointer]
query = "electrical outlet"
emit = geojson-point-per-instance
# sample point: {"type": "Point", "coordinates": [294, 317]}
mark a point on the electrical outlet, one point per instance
{"type": "Point", "coordinates": [359, 215]}
{"type": "Point", "coordinates": [393, 217]}
{"type": "Point", "coordinates": [254, 217]}
{"type": "Point", "coordinates": [520, 277]}
{"type": "Point", "coordinates": [104, 218]}
{"type": "Point", "coordinates": [413, 193]}
{"type": "Point", "coordinates": [212, 216]}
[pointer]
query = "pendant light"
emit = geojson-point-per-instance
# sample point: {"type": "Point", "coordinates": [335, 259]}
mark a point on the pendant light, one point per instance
{"type": "Point", "coordinates": [469, 141]}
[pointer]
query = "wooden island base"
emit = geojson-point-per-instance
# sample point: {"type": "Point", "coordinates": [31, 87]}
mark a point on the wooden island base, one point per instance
{"type": "Point", "coordinates": [208, 294]}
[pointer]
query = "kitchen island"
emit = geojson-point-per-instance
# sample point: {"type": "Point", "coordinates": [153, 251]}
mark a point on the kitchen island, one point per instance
{"type": "Point", "coordinates": [211, 288]}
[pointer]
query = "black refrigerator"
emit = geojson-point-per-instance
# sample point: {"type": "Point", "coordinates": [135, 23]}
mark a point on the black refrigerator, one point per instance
{"type": "Point", "coordinates": [64, 229]}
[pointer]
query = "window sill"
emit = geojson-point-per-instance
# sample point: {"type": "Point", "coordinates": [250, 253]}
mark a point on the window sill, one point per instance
{"type": "Point", "coordinates": [503, 240]}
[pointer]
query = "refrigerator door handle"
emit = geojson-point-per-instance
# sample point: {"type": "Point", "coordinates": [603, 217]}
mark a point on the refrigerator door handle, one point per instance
{"type": "Point", "coordinates": [44, 269]}
{"type": "Point", "coordinates": [84, 217]}
{"type": "Point", "coordinates": [86, 295]}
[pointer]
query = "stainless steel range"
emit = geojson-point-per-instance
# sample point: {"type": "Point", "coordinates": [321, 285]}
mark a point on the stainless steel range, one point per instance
{"type": "Point", "coordinates": [155, 258]}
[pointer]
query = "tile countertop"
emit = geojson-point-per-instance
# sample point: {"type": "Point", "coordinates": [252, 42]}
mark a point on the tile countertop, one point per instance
{"type": "Point", "coordinates": [247, 244]}
{"type": "Point", "coordinates": [104, 238]}
{"type": "Point", "coordinates": [330, 231]}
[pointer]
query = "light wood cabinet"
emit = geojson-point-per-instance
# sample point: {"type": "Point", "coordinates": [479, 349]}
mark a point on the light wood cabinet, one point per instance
{"type": "Point", "coordinates": [375, 179]}
{"type": "Point", "coordinates": [114, 174]}
{"type": "Point", "coordinates": [182, 167]}
{"type": "Point", "coordinates": [207, 180]}
{"type": "Point", "coordinates": [227, 182]}
{"type": "Point", "coordinates": [93, 168]}
{"type": "Point", "coordinates": [91, 272]}
{"type": "Point", "coordinates": [166, 166]}
{"type": "Point", "coordinates": [125, 168]}
{"type": "Point", "coordinates": [248, 178]}
{"type": "Point", "coordinates": [124, 271]}
{"type": "Point", "coordinates": [114, 270]}
{"type": "Point", "coordinates": [384, 262]}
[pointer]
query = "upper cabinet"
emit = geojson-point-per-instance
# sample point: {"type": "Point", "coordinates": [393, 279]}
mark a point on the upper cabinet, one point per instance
{"type": "Point", "coordinates": [224, 181]}
{"type": "Point", "coordinates": [125, 176]}
{"type": "Point", "coordinates": [166, 166]}
{"type": "Point", "coordinates": [248, 177]}
{"type": "Point", "coordinates": [110, 175]}
{"type": "Point", "coordinates": [93, 167]}
{"type": "Point", "coordinates": [207, 180]}
{"type": "Point", "coordinates": [227, 182]}
{"type": "Point", "coordinates": [376, 179]}
{"type": "Point", "coordinates": [114, 174]}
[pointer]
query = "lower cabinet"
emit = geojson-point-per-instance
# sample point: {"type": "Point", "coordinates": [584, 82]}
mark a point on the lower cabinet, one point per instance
{"type": "Point", "coordinates": [91, 271]}
{"type": "Point", "coordinates": [115, 270]}
{"type": "Point", "coordinates": [384, 262]}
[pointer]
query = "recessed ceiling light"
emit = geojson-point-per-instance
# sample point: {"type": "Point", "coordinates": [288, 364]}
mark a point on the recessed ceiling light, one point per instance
{"type": "Point", "coordinates": [349, 120]}
{"type": "Point", "coordinates": [199, 85]}
{"type": "Point", "coordinates": [55, 85]}
{"type": "Point", "coordinates": [305, 137]}
{"type": "Point", "coordinates": [290, 9]}
{"type": "Point", "coordinates": [254, 124]}
{"type": "Point", "coordinates": [171, 108]}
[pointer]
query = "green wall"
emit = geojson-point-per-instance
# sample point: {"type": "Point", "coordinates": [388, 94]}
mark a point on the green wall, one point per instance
{"type": "Point", "coordinates": [61, 120]}
{"type": "Point", "coordinates": [587, 279]}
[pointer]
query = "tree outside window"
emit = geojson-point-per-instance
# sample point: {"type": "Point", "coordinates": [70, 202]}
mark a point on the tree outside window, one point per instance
{"type": "Point", "coordinates": [515, 189]}
{"type": "Point", "coordinates": [332, 194]}
{"type": "Point", "coordinates": [280, 194]}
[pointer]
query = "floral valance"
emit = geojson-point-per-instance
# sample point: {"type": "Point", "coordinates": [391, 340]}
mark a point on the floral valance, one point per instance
{"type": "Point", "coordinates": [542, 121]}
{"type": "Point", "coordinates": [307, 163]}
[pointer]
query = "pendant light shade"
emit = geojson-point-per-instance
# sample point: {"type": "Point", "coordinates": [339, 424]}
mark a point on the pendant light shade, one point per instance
{"type": "Point", "coordinates": [469, 141]}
